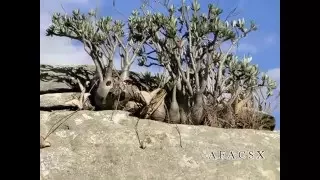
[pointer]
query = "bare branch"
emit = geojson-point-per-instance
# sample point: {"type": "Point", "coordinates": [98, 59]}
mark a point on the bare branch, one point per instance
{"type": "Point", "coordinates": [208, 65]}
{"type": "Point", "coordinates": [154, 51]}
{"type": "Point", "coordinates": [186, 20]}
{"type": "Point", "coordinates": [235, 95]}
{"type": "Point", "coordinates": [153, 64]}
{"type": "Point", "coordinates": [222, 65]}
{"type": "Point", "coordinates": [153, 58]}
{"type": "Point", "coordinates": [121, 43]}
{"type": "Point", "coordinates": [183, 75]}
{"type": "Point", "coordinates": [137, 50]}
{"type": "Point", "coordinates": [232, 13]}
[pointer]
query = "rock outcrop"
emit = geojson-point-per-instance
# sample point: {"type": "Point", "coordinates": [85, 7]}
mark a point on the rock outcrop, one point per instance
{"type": "Point", "coordinates": [103, 145]}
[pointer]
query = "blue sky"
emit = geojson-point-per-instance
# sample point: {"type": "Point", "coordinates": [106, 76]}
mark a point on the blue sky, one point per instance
{"type": "Point", "coordinates": [263, 45]}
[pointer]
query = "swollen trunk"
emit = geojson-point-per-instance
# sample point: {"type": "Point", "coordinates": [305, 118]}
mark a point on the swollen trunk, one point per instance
{"type": "Point", "coordinates": [174, 107]}
{"type": "Point", "coordinates": [197, 110]}
{"type": "Point", "coordinates": [103, 90]}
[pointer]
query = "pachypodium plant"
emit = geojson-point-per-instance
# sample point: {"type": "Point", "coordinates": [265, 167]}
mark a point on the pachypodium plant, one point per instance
{"type": "Point", "coordinates": [242, 77]}
{"type": "Point", "coordinates": [187, 43]}
{"type": "Point", "coordinates": [101, 38]}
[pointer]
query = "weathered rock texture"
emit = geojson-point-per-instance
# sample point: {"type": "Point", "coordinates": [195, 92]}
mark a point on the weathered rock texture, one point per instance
{"type": "Point", "coordinates": [54, 100]}
{"type": "Point", "coordinates": [92, 145]}
{"type": "Point", "coordinates": [103, 145]}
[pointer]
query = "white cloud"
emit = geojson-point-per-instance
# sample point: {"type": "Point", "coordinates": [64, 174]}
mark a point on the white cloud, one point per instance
{"type": "Point", "coordinates": [55, 50]}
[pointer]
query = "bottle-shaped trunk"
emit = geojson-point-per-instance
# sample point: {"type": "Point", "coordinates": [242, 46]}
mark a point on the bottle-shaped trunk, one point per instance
{"type": "Point", "coordinates": [197, 111]}
{"type": "Point", "coordinates": [125, 75]}
{"type": "Point", "coordinates": [174, 113]}
{"type": "Point", "coordinates": [103, 90]}
{"type": "Point", "coordinates": [182, 100]}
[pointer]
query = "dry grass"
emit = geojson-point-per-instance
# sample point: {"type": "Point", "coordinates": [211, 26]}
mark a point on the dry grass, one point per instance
{"type": "Point", "coordinates": [253, 119]}
{"type": "Point", "coordinates": [258, 117]}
